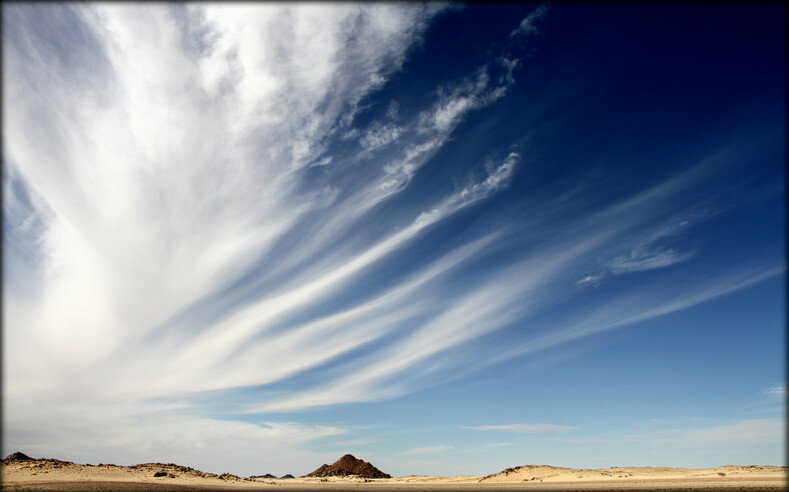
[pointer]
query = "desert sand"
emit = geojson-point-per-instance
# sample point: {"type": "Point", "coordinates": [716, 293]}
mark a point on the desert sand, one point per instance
{"type": "Point", "coordinates": [51, 474]}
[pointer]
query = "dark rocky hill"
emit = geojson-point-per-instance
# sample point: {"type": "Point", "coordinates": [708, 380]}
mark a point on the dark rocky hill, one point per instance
{"type": "Point", "coordinates": [349, 465]}
{"type": "Point", "coordinates": [17, 456]}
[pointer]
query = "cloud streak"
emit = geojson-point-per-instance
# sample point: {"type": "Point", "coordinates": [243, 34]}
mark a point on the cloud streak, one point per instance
{"type": "Point", "coordinates": [522, 428]}
{"type": "Point", "coordinates": [428, 450]}
{"type": "Point", "coordinates": [528, 25]}
{"type": "Point", "coordinates": [742, 432]}
{"type": "Point", "coordinates": [640, 259]}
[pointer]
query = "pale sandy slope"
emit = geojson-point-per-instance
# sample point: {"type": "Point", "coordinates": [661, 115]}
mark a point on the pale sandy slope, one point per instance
{"type": "Point", "coordinates": [53, 475]}
{"type": "Point", "coordinates": [618, 474]}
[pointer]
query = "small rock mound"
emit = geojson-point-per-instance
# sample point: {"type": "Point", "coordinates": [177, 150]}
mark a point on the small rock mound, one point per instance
{"type": "Point", "coordinates": [287, 476]}
{"type": "Point", "coordinates": [168, 468]}
{"type": "Point", "coordinates": [349, 465]}
{"type": "Point", "coordinates": [267, 475]}
{"type": "Point", "coordinates": [17, 456]}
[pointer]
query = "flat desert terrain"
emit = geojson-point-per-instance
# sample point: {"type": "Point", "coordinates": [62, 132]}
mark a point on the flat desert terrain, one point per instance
{"type": "Point", "coordinates": [50, 474]}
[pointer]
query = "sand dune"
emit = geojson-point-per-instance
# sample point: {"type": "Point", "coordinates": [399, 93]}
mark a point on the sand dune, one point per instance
{"type": "Point", "coordinates": [556, 474]}
{"type": "Point", "coordinates": [52, 474]}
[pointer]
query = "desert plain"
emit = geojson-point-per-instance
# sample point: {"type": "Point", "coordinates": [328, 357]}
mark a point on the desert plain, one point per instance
{"type": "Point", "coordinates": [57, 475]}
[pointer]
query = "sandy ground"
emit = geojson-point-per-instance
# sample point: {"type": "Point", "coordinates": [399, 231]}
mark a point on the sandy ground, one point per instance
{"type": "Point", "coordinates": [64, 476]}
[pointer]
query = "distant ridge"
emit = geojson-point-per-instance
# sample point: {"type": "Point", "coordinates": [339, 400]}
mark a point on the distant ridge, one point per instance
{"type": "Point", "coordinates": [20, 468]}
{"type": "Point", "coordinates": [349, 465]}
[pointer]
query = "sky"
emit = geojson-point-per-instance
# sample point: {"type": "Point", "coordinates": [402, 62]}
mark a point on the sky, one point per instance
{"type": "Point", "coordinates": [445, 238]}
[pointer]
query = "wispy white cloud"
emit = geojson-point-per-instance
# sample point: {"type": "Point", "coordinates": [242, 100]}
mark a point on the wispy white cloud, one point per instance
{"type": "Point", "coordinates": [647, 252]}
{"type": "Point", "coordinates": [392, 110]}
{"type": "Point", "coordinates": [455, 101]}
{"type": "Point", "coordinates": [647, 304]}
{"type": "Point", "coordinates": [428, 449]}
{"type": "Point", "coordinates": [380, 136]}
{"type": "Point", "coordinates": [777, 391]}
{"type": "Point", "coordinates": [529, 23]}
{"type": "Point", "coordinates": [590, 279]}
{"type": "Point", "coordinates": [644, 258]}
{"type": "Point", "coordinates": [742, 432]}
{"type": "Point", "coordinates": [199, 181]}
{"type": "Point", "coordinates": [144, 223]}
{"type": "Point", "coordinates": [759, 431]}
{"type": "Point", "coordinates": [522, 428]}
{"type": "Point", "coordinates": [169, 172]}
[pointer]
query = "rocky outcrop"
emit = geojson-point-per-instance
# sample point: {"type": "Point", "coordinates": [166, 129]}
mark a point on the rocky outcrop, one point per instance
{"type": "Point", "coordinates": [349, 465]}
{"type": "Point", "coordinates": [17, 456]}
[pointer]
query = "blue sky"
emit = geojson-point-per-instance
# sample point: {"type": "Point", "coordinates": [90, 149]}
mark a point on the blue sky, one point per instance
{"type": "Point", "coordinates": [448, 239]}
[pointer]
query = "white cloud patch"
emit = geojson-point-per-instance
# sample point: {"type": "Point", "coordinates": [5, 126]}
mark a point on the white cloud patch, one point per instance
{"type": "Point", "coordinates": [380, 136]}
{"type": "Point", "coordinates": [496, 179]}
{"type": "Point", "coordinates": [590, 279]}
{"type": "Point", "coordinates": [392, 110]}
{"type": "Point", "coordinates": [742, 433]}
{"type": "Point", "coordinates": [759, 431]}
{"type": "Point", "coordinates": [647, 253]}
{"type": "Point", "coordinates": [776, 391]}
{"type": "Point", "coordinates": [645, 258]}
{"type": "Point", "coordinates": [529, 23]}
{"type": "Point", "coordinates": [428, 450]}
{"type": "Point", "coordinates": [454, 101]}
{"type": "Point", "coordinates": [523, 428]}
